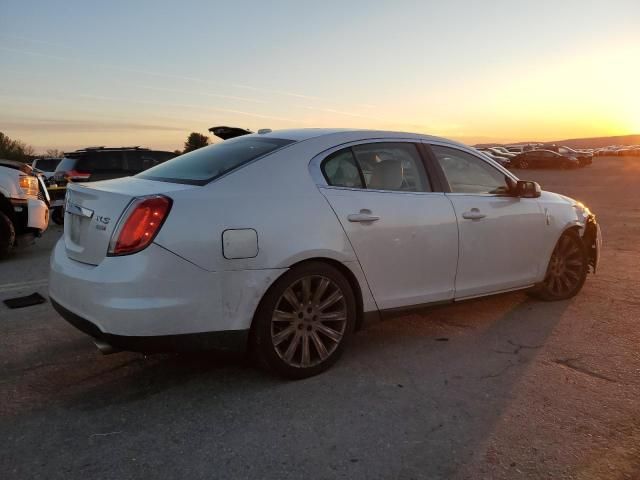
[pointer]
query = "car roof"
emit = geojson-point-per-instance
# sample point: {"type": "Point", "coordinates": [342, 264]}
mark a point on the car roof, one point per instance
{"type": "Point", "coordinates": [544, 150]}
{"type": "Point", "coordinates": [302, 134]}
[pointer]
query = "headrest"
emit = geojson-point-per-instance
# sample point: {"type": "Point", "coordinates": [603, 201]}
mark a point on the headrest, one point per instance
{"type": "Point", "coordinates": [387, 175]}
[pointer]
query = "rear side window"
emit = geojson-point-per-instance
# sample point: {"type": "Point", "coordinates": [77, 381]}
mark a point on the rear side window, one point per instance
{"type": "Point", "coordinates": [134, 162]}
{"type": "Point", "coordinates": [340, 170]}
{"type": "Point", "coordinates": [101, 162]}
{"type": "Point", "coordinates": [208, 163]}
{"type": "Point", "coordinates": [378, 166]}
{"type": "Point", "coordinates": [139, 161]}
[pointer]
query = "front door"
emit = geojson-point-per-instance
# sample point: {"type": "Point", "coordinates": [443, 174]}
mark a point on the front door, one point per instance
{"type": "Point", "coordinates": [501, 237]}
{"type": "Point", "coordinates": [405, 236]}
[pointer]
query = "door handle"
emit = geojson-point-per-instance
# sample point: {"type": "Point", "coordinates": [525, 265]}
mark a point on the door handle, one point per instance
{"type": "Point", "coordinates": [473, 214]}
{"type": "Point", "coordinates": [363, 217]}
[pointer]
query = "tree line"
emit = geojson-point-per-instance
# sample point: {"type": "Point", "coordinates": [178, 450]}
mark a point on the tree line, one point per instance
{"type": "Point", "coordinates": [15, 149]}
{"type": "Point", "coordinates": [19, 151]}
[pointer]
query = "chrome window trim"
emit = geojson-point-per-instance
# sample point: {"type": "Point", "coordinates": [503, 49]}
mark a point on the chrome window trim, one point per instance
{"type": "Point", "coordinates": [316, 162]}
{"type": "Point", "coordinates": [371, 190]}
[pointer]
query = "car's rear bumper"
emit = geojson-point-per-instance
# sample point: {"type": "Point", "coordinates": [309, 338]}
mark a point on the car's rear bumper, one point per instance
{"type": "Point", "coordinates": [230, 340]}
{"type": "Point", "coordinates": [155, 293]}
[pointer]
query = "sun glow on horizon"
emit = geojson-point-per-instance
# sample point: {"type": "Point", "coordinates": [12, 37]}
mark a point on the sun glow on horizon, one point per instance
{"type": "Point", "coordinates": [471, 83]}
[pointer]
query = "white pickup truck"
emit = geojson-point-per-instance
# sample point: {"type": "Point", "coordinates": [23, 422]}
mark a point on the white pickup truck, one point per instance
{"type": "Point", "coordinates": [24, 204]}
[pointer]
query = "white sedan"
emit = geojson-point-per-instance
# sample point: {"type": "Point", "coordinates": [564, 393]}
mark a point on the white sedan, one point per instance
{"type": "Point", "coordinates": [284, 242]}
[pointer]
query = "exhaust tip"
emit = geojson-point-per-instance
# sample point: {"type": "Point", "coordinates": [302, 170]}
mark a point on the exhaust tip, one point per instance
{"type": "Point", "coordinates": [104, 347]}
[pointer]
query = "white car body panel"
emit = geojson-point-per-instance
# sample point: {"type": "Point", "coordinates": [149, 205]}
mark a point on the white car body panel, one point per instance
{"type": "Point", "coordinates": [500, 251]}
{"type": "Point", "coordinates": [184, 283]}
{"type": "Point", "coordinates": [156, 291]}
{"type": "Point", "coordinates": [38, 214]}
{"type": "Point", "coordinates": [406, 254]}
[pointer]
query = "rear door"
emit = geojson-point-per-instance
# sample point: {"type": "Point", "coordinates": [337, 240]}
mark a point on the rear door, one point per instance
{"type": "Point", "coordinates": [501, 236]}
{"type": "Point", "coordinates": [404, 234]}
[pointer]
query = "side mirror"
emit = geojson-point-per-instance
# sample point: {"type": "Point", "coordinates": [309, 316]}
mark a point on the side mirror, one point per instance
{"type": "Point", "coordinates": [526, 189]}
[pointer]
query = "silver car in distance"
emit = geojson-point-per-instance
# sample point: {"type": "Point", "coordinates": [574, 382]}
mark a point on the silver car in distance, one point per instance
{"type": "Point", "coordinates": [284, 242]}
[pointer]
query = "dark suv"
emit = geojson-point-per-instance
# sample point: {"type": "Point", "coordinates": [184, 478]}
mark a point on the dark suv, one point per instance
{"type": "Point", "coordinates": [101, 163]}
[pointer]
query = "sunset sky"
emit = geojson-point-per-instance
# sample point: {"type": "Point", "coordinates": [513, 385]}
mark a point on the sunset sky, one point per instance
{"type": "Point", "coordinates": [81, 73]}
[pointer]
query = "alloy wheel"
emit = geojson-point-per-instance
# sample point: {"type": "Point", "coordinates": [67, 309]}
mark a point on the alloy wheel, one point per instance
{"type": "Point", "coordinates": [309, 321]}
{"type": "Point", "coordinates": [566, 268]}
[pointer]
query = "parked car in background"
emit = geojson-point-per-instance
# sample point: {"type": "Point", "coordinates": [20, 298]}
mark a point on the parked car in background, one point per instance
{"type": "Point", "coordinates": [283, 242]}
{"type": "Point", "coordinates": [522, 148]}
{"type": "Point", "coordinates": [99, 163]}
{"type": "Point", "coordinates": [544, 159]}
{"type": "Point", "coordinates": [24, 204]}
{"type": "Point", "coordinates": [584, 158]}
{"type": "Point", "coordinates": [504, 161]}
{"type": "Point", "coordinates": [102, 163]}
{"type": "Point", "coordinates": [46, 166]}
{"type": "Point", "coordinates": [502, 151]}
{"type": "Point", "coordinates": [631, 151]}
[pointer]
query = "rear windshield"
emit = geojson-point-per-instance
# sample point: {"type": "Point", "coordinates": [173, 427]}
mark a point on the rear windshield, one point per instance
{"type": "Point", "coordinates": [47, 164]}
{"type": "Point", "coordinates": [208, 163]}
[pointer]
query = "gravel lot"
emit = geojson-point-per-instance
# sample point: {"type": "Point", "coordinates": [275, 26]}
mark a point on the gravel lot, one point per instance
{"type": "Point", "coordinates": [503, 387]}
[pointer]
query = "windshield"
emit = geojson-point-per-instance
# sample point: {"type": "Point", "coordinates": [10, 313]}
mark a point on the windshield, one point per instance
{"type": "Point", "coordinates": [208, 163]}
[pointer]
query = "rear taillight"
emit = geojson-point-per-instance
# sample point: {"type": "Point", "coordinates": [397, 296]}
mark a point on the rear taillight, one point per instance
{"type": "Point", "coordinates": [76, 176]}
{"type": "Point", "coordinates": [139, 224]}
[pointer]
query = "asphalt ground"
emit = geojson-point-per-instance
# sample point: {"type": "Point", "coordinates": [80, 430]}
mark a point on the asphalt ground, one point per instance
{"type": "Point", "coordinates": [500, 388]}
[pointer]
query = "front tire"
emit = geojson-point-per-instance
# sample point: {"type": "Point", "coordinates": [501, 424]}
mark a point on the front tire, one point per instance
{"type": "Point", "coordinates": [523, 164]}
{"type": "Point", "coordinates": [567, 270]}
{"type": "Point", "coordinates": [304, 321]}
{"type": "Point", "coordinates": [7, 235]}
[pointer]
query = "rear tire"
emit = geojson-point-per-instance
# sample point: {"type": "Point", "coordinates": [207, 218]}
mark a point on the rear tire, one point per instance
{"type": "Point", "coordinates": [304, 321]}
{"type": "Point", "coordinates": [567, 270]}
{"type": "Point", "coordinates": [57, 215]}
{"type": "Point", "coordinates": [7, 235]}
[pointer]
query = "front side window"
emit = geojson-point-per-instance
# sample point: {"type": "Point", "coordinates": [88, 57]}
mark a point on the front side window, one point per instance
{"type": "Point", "coordinates": [377, 166]}
{"type": "Point", "coordinates": [467, 173]}
{"type": "Point", "coordinates": [201, 166]}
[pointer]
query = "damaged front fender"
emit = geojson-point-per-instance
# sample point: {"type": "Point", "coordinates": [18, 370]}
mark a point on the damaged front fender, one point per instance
{"type": "Point", "coordinates": [592, 239]}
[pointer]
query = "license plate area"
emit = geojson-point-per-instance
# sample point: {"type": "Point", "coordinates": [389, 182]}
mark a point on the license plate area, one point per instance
{"type": "Point", "coordinates": [75, 229]}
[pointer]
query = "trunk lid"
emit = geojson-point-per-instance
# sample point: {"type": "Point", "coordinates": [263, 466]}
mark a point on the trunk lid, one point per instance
{"type": "Point", "coordinates": [92, 211]}
{"type": "Point", "coordinates": [225, 133]}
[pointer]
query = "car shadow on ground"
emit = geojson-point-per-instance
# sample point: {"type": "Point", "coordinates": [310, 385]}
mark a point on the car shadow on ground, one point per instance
{"type": "Point", "coordinates": [431, 384]}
